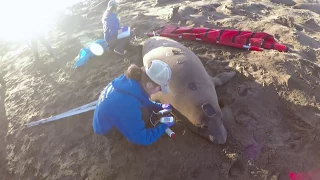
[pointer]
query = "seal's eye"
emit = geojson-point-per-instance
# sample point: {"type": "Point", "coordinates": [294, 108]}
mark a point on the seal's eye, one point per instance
{"type": "Point", "coordinates": [208, 110]}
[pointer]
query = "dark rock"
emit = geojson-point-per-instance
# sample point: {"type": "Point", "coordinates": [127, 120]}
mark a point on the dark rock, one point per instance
{"type": "Point", "coordinates": [284, 2]}
{"type": "Point", "coordinates": [161, 2]}
{"type": "Point", "coordinates": [314, 7]}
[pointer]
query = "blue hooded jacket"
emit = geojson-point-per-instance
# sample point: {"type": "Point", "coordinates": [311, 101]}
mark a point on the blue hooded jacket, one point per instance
{"type": "Point", "coordinates": [119, 105]}
{"type": "Point", "coordinates": [111, 26]}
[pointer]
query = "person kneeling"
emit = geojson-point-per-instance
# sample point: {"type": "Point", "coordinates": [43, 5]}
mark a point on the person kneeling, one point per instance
{"type": "Point", "coordinates": [120, 103]}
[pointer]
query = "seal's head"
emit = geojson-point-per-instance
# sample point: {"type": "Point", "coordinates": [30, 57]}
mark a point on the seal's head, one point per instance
{"type": "Point", "coordinates": [202, 110]}
{"type": "Point", "coordinates": [211, 125]}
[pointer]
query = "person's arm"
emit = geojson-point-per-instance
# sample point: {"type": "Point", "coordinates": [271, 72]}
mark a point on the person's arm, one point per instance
{"type": "Point", "coordinates": [133, 127]}
{"type": "Point", "coordinates": [152, 105]}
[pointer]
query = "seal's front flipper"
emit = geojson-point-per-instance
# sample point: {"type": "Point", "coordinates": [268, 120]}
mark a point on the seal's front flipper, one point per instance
{"type": "Point", "coordinates": [223, 78]}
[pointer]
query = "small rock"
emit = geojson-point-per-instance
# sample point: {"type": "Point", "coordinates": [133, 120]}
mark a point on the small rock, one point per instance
{"type": "Point", "coordinates": [311, 23]}
{"type": "Point", "coordinates": [187, 11]}
{"type": "Point", "coordinates": [314, 7]}
{"type": "Point", "coordinates": [161, 2]}
{"type": "Point", "coordinates": [285, 2]}
{"type": "Point", "coordinates": [227, 68]}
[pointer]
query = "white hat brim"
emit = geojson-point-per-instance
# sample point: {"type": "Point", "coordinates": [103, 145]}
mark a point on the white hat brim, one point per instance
{"type": "Point", "coordinates": [165, 89]}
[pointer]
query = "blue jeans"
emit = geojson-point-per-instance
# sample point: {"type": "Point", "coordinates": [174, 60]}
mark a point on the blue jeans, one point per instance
{"type": "Point", "coordinates": [119, 45]}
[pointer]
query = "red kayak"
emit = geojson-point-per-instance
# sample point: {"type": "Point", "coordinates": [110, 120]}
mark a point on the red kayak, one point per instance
{"type": "Point", "coordinates": [255, 41]}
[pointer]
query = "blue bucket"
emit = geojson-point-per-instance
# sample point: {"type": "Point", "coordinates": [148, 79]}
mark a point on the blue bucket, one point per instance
{"type": "Point", "coordinates": [85, 53]}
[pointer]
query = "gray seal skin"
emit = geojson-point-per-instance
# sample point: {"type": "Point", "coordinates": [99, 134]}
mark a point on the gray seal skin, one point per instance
{"type": "Point", "coordinates": [314, 7]}
{"type": "Point", "coordinates": [192, 91]}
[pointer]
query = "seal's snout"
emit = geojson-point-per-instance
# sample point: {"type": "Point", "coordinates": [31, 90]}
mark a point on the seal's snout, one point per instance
{"type": "Point", "coordinates": [220, 140]}
{"type": "Point", "coordinates": [217, 135]}
{"type": "Point", "coordinates": [217, 140]}
{"type": "Point", "coordinates": [221, 137]}
{"type": "Point", "coordinates": [211, 125]}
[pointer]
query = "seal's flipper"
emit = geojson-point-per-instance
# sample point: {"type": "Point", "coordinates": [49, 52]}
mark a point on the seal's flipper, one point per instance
{"type": "Point", "coordinates": [223, 78]}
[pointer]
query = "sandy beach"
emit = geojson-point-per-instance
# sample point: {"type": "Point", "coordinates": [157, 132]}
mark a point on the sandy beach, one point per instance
{"type": "Point", "coordinates": [271, 107]}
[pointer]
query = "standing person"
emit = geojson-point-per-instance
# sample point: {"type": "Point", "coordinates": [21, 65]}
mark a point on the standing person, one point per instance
{"type": "Point", "coordinates": [120, 103]}
{"type": "Point", "coordinates": [111, 29]}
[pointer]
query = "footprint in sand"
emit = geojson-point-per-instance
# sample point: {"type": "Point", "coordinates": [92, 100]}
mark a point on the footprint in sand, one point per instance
{"type": "Point", "coordinates": [243, 118]}
{"type": "Point", "coordinates": [237, 169]}
{"type": "Point", "coordinates": [253, 150]}
{"type": "Point", "coordinates": [195, 173]}
{"type": "Point", "coordinates": [242, 90]}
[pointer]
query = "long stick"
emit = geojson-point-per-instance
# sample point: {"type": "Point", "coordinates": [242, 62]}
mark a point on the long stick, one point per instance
{"type": "Point", "coordinates": [60, 116]}
{"type": "Point", "coordinates": [82, 107]}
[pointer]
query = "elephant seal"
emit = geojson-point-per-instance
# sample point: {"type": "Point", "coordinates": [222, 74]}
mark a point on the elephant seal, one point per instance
{"type": "Point", "coordinates": [285, 2]}
{"type": "Point", "coordinates": [192, 91]}
{"type": "Point", "coordinates": [314, 7]}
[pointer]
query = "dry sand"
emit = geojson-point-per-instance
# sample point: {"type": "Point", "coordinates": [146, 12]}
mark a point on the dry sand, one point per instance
{"type": "Point", "coordinates": [271, 107]}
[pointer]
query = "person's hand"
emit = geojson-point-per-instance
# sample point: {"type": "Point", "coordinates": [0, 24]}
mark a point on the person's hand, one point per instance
{"type": "Point", "coordinates": [125, 28]}
{"type": "Point", "coordinates": [168, 123]}
{"type": "Point", "coordinates": [119, 31]}
{"type": "Point", "coordinates": [166, 106]}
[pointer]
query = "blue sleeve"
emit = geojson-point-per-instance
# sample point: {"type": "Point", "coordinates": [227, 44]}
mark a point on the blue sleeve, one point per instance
{"type": "Point", "coordinates": [152, 105]}
{"type": "Point", "coordinates": [131, 125]}
{"type": "Point", "coordinates": [113, 25]}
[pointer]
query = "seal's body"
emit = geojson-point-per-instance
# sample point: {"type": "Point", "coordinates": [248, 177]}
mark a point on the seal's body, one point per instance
{"type": "Point", "coordinates": [314, 7]}
{"type": "Point", "coordinates": [192, 90]}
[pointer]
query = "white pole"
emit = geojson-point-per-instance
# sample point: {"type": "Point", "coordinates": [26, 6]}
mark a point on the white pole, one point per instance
{"type": "Point", "coordinates": [78, 110]}
{"type": "Point", "coordinates": [82, 107]}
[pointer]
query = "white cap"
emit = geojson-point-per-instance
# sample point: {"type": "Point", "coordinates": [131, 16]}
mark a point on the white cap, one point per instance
{"type": "Point", "coordinates": [112, 3]}
{"type": "Point", "coordinates": [160, 73]}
